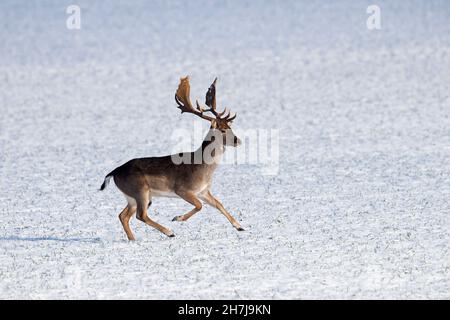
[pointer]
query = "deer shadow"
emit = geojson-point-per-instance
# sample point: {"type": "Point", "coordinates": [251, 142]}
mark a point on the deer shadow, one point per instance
{"type": "Point", "coordinates": [50, 238]}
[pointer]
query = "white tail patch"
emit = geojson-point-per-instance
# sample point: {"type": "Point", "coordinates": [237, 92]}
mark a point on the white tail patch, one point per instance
{"type": "Point", "coordinates": [105, 182]}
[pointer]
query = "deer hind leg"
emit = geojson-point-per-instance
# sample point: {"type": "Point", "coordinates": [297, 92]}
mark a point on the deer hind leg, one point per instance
{"type": "Point", "coordinates": [192, 199]}
{"type": "Point", "coordinates": [142, 214]}
{"type": "Point", "coordinates": [211, 200]}
{"type": "Point", "coordinates": [125, 217]}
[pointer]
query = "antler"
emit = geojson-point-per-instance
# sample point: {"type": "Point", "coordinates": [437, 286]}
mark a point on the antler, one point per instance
{"type": "Point", "coordinates": [210, 101]}
{"type": "Point", "coordinates": [183, 100]}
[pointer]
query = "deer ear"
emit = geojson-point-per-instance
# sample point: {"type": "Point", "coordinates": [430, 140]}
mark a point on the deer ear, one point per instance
{"type": "Point", "coordinates": [214, 124]}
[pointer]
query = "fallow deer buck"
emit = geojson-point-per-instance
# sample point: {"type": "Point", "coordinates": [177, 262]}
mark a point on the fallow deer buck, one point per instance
{"type": "Point", "coordinates": [190, 179]}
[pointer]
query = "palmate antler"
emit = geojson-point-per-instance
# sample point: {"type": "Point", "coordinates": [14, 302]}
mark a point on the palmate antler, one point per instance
{"type": "Point", "coordinates": [182, 98]}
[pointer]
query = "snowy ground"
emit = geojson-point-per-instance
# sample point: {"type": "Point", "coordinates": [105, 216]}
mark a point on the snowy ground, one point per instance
{"type": "Point", "coordinates": [360, 207]}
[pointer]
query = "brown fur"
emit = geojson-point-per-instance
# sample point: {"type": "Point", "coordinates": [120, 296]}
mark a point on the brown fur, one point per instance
{"type": "Point", "coordinates": [142, 179]}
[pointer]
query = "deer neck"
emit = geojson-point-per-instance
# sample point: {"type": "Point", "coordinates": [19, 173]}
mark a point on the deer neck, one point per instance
{"type": "Point", "coordinates": [211, 149]}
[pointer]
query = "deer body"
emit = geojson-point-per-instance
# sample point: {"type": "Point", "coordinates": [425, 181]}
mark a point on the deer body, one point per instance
{"type": "Point", "coordinates": [142, 179]}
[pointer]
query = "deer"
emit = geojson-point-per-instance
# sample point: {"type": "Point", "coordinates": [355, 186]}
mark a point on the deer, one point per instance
{"type": "Point", "coordinates": [142, 179]}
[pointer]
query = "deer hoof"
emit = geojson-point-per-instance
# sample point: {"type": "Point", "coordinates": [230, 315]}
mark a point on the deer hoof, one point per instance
{"type": "Point", "coordinates": [240, 229]}
{"type": "Point", "coordinates": [170, 235]}
{"type": "Point", "coordinates": [177, 218]}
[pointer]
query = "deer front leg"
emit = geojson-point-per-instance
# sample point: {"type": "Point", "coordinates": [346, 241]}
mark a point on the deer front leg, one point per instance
{"type": "Point", "coordinates": [192, 199]}
{"type": "Point", "coordinates": [211, 200]}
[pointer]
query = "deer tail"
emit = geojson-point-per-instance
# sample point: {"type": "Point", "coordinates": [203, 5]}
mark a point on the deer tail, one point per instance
{"type": "Point", "coordinates": [106, 181]}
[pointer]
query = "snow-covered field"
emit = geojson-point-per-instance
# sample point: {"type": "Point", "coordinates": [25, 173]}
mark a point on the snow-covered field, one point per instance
{"type": "Point", "coordinates": [360, 207]}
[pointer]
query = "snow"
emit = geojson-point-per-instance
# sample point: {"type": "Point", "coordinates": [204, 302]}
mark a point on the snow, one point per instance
{"type": "Point", "coordinates": [360, 207]}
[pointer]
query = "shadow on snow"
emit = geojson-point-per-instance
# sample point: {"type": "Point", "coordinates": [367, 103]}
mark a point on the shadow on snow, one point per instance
{"type": "Point", "coordinates": [49, 238]}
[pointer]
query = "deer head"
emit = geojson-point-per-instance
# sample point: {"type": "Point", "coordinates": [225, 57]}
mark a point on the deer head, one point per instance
{"type": "Point", "coordinates": [220, 121]}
